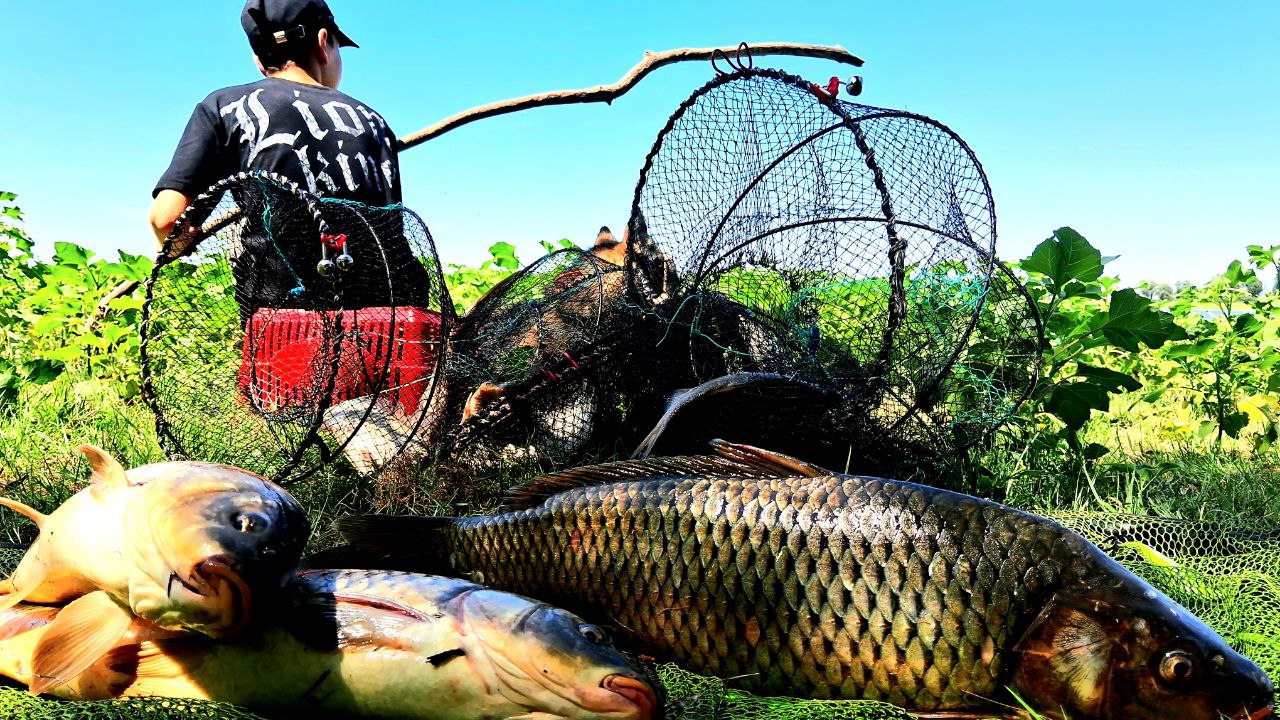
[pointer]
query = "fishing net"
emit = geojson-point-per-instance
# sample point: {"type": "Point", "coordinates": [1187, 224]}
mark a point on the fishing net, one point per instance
{"type": "Point", "coordinates": [282, 331]}
{"type": "Point", "coordinates": [822, 272]}
{"type": "Point", "coordinates": [1228, 576]}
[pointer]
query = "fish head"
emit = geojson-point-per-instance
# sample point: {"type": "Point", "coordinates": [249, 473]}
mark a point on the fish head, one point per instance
{"type": "Point", "coordinates": [561, 665]}
{"type": "Point", "coordinates": [1119, 648]}
{"type": "Point", "coordinates": [210, 542]}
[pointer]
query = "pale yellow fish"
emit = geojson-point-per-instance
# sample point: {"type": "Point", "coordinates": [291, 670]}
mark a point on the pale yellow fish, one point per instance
{"type": "Point", "coordinates": [373, 645]}
{"type": "Point", "coordinates": [183, 545]}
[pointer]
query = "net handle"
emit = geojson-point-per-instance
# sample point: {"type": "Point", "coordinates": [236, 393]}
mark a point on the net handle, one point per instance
{"type": "Point", "coordinates": [608, 93]}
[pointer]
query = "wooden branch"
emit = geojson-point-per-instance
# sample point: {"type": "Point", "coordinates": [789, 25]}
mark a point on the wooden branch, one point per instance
{"type": "Point", "coordinates": [128, 286]}
{"type": "Point", "coordinates": [608, 93]}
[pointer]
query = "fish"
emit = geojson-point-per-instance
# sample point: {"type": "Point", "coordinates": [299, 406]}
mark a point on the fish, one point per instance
{"type": "Point", "coordinates": [795, 580]}
{"type": "Point", "coordinates": [373, 645]}
{"type": "Point", "coordinates": [187, 546]}
{"type": "Point", "coordinates": [744, 407]}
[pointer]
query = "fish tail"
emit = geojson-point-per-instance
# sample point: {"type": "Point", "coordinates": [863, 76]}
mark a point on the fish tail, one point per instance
{"type": "Point", "coordinates": [36, 516]}
{"type": "Point", "coordinates": [398, 542]}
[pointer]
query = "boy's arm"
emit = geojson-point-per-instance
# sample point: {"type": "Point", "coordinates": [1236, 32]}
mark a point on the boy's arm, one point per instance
{"type": "Point", "coordinates": [165, 211]}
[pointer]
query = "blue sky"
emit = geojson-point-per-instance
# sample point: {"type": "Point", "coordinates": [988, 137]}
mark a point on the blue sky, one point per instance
{"type": "Point", "coordinates": [1151, 127]}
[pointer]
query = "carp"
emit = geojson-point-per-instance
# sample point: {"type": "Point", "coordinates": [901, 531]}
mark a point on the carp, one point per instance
{"type": "Point", "coordinates": [183, 545]}
{"type": "Point", "coordinates": [370, 645]}
{"type": "Point", "coordinates": [800, 581]}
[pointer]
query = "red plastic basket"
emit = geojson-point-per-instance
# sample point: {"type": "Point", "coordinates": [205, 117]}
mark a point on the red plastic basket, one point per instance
{"type": "Point", "coordinates": [288, 354]}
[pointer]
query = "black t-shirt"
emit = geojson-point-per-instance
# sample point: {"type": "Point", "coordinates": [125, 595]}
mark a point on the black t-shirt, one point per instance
{"type": "Point", "coordinates": [331, 145]}
{"type": "Point", "coordinates": [328, 142]}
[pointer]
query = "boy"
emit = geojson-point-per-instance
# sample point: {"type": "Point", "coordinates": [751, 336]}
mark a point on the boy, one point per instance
{"type": "Point", "coordinates": [294, 122]}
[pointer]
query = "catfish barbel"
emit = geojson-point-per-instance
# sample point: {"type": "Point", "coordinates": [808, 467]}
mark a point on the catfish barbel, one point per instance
{"type": "Point", "coordinates": [800, 581]}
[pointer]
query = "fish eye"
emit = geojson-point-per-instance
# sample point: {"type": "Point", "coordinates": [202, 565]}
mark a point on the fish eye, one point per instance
{"type": "Point", "coordinates": [249, 522]}
{"type": "Point", "coordinates": [594, 634]}
{"type": "Point", "coordinates": [1177, 667]}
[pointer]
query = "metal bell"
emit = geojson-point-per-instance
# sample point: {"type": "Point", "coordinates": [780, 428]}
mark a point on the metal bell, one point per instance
{"type": "Point", "coordinates": [344, 261]}
{"type": "Point", "coordinates": [854, 87]}
{"type": "Point", "coordinates": [325, 267]}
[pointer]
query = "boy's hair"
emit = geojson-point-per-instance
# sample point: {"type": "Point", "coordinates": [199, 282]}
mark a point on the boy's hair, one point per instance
{"type": "Point", "coordinates": [296, 50]}
{"type": "Point", "coordinates": [292, 37]}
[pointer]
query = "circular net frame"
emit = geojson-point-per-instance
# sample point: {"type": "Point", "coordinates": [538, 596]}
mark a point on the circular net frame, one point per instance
{"type": "Point", "coordinates": [254, 355]}
{"type": "Point", "coordinates": [823, 272]}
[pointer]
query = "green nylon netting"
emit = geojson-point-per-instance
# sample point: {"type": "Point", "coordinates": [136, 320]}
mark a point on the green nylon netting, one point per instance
{"type": "Point", "coordinates": [1228, 576]}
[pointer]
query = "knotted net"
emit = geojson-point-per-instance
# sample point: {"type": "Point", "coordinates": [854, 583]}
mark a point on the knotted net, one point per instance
{"type": "Point", "coordinates": [282, 331]}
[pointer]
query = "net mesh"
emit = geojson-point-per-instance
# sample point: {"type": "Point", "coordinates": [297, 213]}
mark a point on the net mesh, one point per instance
{"type": "Point", "coordinates": [294, 330]}
{"type": "Point", "coordinates": [798, 272]}
{"type": "Point", "coordinates": [1228, 576]}
{"type": "Point", "coordinates": [822, 274]}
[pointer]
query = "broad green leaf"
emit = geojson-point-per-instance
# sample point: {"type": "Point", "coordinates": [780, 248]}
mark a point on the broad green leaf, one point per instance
{"type": "Point", "coordinates": [1065, 257]}
{"type": "Point", "coordinates": [71, 254]}
{"type": "Point", "coordinates": [1233, 423]}
{"type": "Point", "coordinates": [1247, 324]}
{"type": "Point", "coordinates": [1110, 379]}
{"type": "Point", "coordinates": [1072, 402]}
{"type": "Point", "coordinates": [1131, 322]}
{"type": "Point", "coordinates": [41, 372]}
{"type": "Point", "coordinates": [1093, 451]}
{"type": "Point", "coordinates": [504, 255]}
{"type": "Point", "coordinates": [6, 196]}
{"type": "Point", "coordinates": [1199, 348]}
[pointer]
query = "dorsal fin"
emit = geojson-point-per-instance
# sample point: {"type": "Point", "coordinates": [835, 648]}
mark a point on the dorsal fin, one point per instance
{"type": "Point", "coordinates": [543, 487]}
{"type": "Point", "coordinates": [767, 462]}
{"type": "Point", "coordinates": [108, 473]}
{"type": "Point", "coordinates": [36, 516]}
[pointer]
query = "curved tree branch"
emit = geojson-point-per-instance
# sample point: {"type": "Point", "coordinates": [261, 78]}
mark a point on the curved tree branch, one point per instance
{"type": "Point", "coordinates": [607, 93]}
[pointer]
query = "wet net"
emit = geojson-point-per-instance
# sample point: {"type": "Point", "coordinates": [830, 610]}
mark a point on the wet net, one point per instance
{"type": "Point", "coordinates": [282, 331]}
{"type": "Point", "coordinates": [1228, 576]}
{"type": "Point", "coordinates": [799, 272]}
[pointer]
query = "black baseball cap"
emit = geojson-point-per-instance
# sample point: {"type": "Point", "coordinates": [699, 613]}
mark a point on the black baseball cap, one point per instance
{"type": "Point", "coordinates": [271, 24]}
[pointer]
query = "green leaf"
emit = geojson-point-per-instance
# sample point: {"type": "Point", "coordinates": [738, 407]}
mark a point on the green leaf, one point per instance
{"type": "Point", "coordinates": [1247, 324]}
{"type": "Point", "coordinates": [1196, 349]}
{"type": "Point", "coordinates": [6, 196]}
{"type": "Point", "coordinates": [1065, 257]}
{"type": "Point", "coordinates": [1093, 451]}
{"type": "Point", "coordinates": [1110, 379]}
{"type": "Point", "coordinates": [71, 254]}
{"type": "Point", "coordinates": [1072, 402]}
{"type": "Point", "coordinates": [1131, 322]}
{"type": "Point", "coordinates": [1233, 423]}
{"type": "Point", "coordinates": [504, 255]}
{"type": "Point", "coordinates": [41, 372]}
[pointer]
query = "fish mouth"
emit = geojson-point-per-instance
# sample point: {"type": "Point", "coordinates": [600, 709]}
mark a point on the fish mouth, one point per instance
{"type": "Point", "coordinates": [1260, 713]}
{"type": "Point", "coordinates": [217, 580]}
{"type": "Point", "coordinates": [636, 691]}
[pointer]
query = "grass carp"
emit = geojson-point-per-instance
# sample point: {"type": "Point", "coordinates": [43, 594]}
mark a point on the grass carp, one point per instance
{"type": "Point", "coordinates": [183, 545]}
{"type": "Point", "coordinates": [371, 645]}
{"type": "Point", "coordinates": [797, 580]}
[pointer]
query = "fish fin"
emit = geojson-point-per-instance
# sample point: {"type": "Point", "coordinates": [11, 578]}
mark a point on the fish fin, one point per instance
{"type": "Point", "coordinates": [545, 486]}
{"type": "Point", "coordinates": [25, 618]}
{"type": "Point", "coordinates": [395, 542]}
{"type": "Point", "coordinates": [681, 399]}
{"type": "Point", "coordinates": [351, 621]}
{"type": "Point", "coordinates": [35, 516]}
{"type": "Point", "coordinates": [150, 667]}
{"type": "Point", "coordinates": [108, 473]}
{"type": "Point", "coordinates": [84, 631]}
{"type": "Point", "coordinates": [24, 580]}
{"type": "Point", "coordinates": [767, 461]}
{"type": "Point", "coordinates": [1072, 644]}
